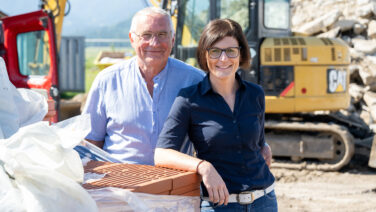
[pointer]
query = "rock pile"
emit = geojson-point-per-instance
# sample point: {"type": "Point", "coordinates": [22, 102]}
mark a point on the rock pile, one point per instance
{"type": "Point", "coordinates": [353, 21]}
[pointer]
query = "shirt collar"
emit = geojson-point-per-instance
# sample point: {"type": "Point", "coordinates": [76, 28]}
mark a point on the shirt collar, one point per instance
{"type": "Point", "coordinates": [206, 86]}
{"type": "Point", "coordinates": [162, 74]}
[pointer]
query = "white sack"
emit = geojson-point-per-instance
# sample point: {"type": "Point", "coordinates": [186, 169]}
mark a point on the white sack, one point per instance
{"type": "Point", "coordinates": [43, 168]}
{"type": "Point", "coordinates": [9, 121]}
{"type": "Point", "coordinates": [111, 199]}
{"type": "Point", "coordinates": [18, 107]}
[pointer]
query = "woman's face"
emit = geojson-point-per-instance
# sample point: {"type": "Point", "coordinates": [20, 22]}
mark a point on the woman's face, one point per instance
{"type": "Point", "coordinates": [228, 61]}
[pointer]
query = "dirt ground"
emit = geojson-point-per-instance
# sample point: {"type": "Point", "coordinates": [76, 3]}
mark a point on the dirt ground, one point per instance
{"type": "Point", "coordinates": [351, 189]}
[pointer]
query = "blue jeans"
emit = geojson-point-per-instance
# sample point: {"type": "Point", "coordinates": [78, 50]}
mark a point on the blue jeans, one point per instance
{"type": "Point", "coordinates": [266, 203]}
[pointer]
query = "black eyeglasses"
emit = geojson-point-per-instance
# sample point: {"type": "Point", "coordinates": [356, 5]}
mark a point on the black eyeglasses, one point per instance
{"type": "Point", "coordinates": [231, 52]}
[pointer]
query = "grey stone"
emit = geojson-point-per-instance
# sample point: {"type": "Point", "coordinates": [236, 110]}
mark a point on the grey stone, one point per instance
{"type": "Point", "coordinates": [319, 24]}
{"type": "Point", "coordinates": [365, 11]}
{"type": "Point", "coordinates": [356, 92]}
{"type": "Point", "coordinates": [358, 28]}
{"type": "Point", "coordinates": [345, 24]}
{"type": "Point", "coordinates": [366, 117]}
{"type": "Point", "coordinates": [355, 54]}
{"type": "Point", "coordinates": [330, 34]}
{"type": "Point", "coordinates": [365, 46]}
{"type": "Point", "coordinates": [369, 98]}
{"type": "Point", "coordinates": [371, 32]}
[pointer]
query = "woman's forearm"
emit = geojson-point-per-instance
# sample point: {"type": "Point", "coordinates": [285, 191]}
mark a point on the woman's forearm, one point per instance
{"type": "Point", "coordinates": [173, 159]}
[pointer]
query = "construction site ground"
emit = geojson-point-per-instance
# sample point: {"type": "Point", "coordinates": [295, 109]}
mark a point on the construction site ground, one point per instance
{"type": "Point", "coordinates": [351, 189]}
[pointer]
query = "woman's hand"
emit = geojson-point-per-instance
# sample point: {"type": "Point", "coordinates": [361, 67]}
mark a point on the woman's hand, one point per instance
{"type": "Point", "coordinates": [214, 183]}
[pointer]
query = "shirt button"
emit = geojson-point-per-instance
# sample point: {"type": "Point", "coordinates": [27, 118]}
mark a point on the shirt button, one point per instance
{"type": "Point", "coordinates": [237, 137]}
{"type": "Point", "coordinates": [239, 152]}
{"type": "Point", "coordinates": [234, 121]}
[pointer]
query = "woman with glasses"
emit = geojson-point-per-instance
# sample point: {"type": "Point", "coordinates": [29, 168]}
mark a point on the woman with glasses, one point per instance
{"type": "Point", "coordinates": [223, 117]}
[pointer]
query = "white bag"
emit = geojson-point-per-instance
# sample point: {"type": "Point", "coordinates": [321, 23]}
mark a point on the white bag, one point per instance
{"type": "Point", "coordinates": [18, 107]}
{"type": "Point", "coordinates": [111, 199]}
{"type": "Point", "coordinates": [9, 121]}
{"type": "Point", "coordinates": [32, 106]}
{"type": "Point", "coordinates": [43, 169]}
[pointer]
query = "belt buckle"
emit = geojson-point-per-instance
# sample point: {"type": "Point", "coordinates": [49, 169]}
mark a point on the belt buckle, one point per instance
{"type": "Point", "coordinates": [245, 193]}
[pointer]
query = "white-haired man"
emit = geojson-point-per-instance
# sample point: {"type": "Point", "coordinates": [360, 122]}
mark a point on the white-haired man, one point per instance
{"type": "Point", "coordinates": [129, 102]}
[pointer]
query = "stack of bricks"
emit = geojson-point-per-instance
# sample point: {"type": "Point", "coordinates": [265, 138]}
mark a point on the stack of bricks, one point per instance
{"type": "Point", "coordinates": [144, 179]}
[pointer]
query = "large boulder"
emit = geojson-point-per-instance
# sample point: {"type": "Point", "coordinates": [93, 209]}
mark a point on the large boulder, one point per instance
{"type": "Point", "coordinates": [320, 24]}
{"type": "Point", "coordinates": [371, 32]}
{"type": "Point", "coordinates": [345, 24]}
{"type": "Point", "coordinates": [365, 11]}
{"type": "Point", "coordinates": [356, 92]}
{"type": "Point", "coordinates": [368, 73]}
{"type": "Point", "coordinates": [370, 98]}
{"type": "Point", "coordinates": [358, 28]}
{"type": "Point", "coordinates": [365, 46]}
{"type": "Point", "coordinates": [331, 33]}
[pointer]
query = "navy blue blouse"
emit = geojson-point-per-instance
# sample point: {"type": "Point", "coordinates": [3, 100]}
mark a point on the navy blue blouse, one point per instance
{"type": "Point", "coordinates": [231, 141]}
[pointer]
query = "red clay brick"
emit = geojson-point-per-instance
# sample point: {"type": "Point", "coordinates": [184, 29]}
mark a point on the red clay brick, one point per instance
{"type": "Point", "coordinates": [165, 193]}
{"type": "Point", "coordinates": [155, 186]}
{"type": "Point", "coordinates": [185, 179]}
{"type": "Point", "coordinates": [142, 178]}
{"type": "Point", "coordinates": [185, 189]}
{"type": "Point", "coordinates": [193, 193]}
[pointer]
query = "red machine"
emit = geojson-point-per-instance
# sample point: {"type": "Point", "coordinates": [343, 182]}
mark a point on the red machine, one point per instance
{"type": "Point", "coordinates": [28, 46]}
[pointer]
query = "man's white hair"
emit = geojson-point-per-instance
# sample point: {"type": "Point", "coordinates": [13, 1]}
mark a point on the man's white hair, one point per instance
{"type": "Point", "coordinates": [148, 11]}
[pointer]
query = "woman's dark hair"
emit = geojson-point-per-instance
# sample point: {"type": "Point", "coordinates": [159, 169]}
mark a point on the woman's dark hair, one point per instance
{"type": "Point", "coordinates": [215, 31]}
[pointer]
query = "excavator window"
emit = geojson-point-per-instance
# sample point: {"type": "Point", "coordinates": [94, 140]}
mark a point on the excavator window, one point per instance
{"type": "Point", "coordinates": [196, 17]}
{"type": "Point", "coordinates": [275, 79]}
{"type": "Point", "coordinates": [236, 10]}
{"type": "Point", "coordinates": [33, 53]}
{"type": "Point", "coordinates": [276, 14]}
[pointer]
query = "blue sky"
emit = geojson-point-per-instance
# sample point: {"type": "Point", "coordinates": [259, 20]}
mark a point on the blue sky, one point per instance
{"type": "Point", "coordinates": [83, 13]}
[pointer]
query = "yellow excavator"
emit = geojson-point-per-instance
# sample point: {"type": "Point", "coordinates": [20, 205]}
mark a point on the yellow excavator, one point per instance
{"type": "Point", "coordinates": [305, 79]}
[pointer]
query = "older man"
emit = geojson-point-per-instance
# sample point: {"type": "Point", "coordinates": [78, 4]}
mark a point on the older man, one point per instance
{"type": "Point", "coordinates": [129, 102]}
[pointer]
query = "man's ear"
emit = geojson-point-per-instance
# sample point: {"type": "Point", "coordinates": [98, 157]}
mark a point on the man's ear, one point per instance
{"type": "Point", "coordinates": [130, 37]}
{"type": "Point", "coordinates": [173, 40]}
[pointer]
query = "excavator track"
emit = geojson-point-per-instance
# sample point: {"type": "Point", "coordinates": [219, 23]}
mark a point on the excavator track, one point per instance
{"type": "Point", "coordinates": [339, 144]}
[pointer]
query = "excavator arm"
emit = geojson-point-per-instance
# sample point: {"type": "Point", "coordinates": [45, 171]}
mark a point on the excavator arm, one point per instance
{"type": "Point", "coordinates": [57, 8]}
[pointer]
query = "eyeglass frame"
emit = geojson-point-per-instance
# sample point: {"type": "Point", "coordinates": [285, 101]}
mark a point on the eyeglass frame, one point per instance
{"type": "Point", "coordinates": [223, 50]}
{"type": "Point", "coordinates": [153, 34]}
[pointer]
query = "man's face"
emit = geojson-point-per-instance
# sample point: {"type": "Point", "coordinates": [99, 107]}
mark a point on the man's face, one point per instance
{"type": "Point", "coordinates": [152, 39]}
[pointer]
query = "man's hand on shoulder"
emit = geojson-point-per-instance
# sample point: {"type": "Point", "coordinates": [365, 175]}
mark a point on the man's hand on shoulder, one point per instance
{"type": "Point", "coordinates": [266, 152]}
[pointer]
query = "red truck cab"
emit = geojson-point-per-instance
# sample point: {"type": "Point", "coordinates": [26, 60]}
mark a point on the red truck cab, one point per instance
{"type": "Point", "coordinates": [28, 47]}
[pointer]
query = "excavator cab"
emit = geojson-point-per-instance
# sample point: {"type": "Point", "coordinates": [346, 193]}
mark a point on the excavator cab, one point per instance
{"type": "Point", "coordinates": [259, 19]}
